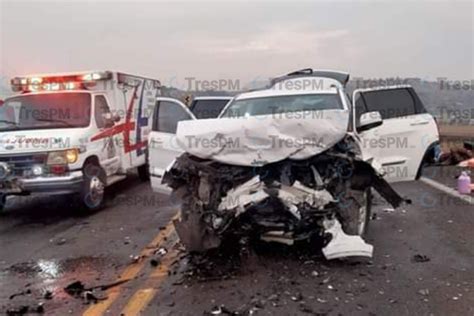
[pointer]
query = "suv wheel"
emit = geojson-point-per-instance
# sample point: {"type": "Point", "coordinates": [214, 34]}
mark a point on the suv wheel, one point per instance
{"type": "Point", "coordinates": [355, 212]}
{"type": "Point", "coordinates": [365, 213]}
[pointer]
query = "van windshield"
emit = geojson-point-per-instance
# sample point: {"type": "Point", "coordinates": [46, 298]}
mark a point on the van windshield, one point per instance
{"type": "Point", "coordinates": [283, 104]}
{"type": "Point", "coordinates": [45, 111]}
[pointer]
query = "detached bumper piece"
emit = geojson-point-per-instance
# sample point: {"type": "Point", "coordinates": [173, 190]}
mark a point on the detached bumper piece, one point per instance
{"type": "Point", "coordinates": [343, 245]}
{"type": "Point", "coordinates": [286, 201]}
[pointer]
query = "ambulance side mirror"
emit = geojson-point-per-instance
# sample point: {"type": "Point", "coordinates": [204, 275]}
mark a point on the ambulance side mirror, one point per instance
{"type": "Point", "coordinates": [116, 118]}
{"type": "Point", "coordinates": [109, 119]}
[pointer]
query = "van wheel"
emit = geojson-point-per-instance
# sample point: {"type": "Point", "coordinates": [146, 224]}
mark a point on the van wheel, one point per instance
{"type": "Point", "coordinates": [144, 172]}
{"type": "Point", "coordinates": [93, 188]}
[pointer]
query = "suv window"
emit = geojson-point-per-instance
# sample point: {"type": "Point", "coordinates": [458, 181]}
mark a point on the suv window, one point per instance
{"type": "Point", "coordinates": [167, 115]}
{"type": "Point", "coordinates": [360, 107]}
{"type": "Point", "coordinates": [420, 108]}
{"type": "Point", "coordinates": [204, 109]}
{"type": "Point", "coordinates": [390, 103]}
{"type": "Point", "coordinates": [101, 108]}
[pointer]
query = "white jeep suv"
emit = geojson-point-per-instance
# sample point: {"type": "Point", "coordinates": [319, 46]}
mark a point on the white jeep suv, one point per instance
{"type": "Point", "coordinates": [292, 162]}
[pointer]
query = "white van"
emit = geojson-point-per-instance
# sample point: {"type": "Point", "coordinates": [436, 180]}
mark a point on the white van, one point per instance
{"type": "Point", "coordinates": [74, 133]}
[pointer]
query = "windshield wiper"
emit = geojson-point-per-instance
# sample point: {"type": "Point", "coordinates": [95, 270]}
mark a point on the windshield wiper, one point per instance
{"type": "Point", "coordinates": [66, 123]}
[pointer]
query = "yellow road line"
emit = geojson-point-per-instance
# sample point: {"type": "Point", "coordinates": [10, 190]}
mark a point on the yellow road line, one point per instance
{"type": "Point", "coordinates": [138, 302]}
{"type": "Point", "coordinates": [129, 273]}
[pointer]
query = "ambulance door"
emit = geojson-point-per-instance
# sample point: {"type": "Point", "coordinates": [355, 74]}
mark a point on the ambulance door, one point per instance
{"type": "Point", "coordinates": [140, 113]}
{"type": "Point", "coordinates": [108, 140]}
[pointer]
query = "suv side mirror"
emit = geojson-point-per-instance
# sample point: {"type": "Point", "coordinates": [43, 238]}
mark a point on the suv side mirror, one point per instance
{"type": "Point", "coordinates": [369, 120]}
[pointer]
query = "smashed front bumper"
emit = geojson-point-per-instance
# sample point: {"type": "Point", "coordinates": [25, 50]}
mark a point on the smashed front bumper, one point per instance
{"type": "Point", "coordinates": [286, 201]}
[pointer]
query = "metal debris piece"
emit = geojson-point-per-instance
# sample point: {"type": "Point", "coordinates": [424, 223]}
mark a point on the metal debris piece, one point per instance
{"type": "Point", "coordinates": [278, 236]}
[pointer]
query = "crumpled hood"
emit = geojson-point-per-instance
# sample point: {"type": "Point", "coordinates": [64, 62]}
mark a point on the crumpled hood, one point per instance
{"type": "Point", "coordinates": [260, 140]}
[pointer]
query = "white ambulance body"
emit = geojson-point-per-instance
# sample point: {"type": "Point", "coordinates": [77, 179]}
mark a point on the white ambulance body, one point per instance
{"type": "Point", "coordinates": [74, 133]}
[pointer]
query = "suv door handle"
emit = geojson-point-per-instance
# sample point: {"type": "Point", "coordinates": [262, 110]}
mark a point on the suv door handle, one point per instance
{"type": "Point", "coordinates": [419, 123]}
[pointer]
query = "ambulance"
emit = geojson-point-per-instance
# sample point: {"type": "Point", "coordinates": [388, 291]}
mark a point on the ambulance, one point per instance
{"type": "Point", "coordinates": [74, 134]}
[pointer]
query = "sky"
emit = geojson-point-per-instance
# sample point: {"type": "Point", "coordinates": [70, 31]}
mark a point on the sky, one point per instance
{"type": "Point", "coordinates": [246, 41]}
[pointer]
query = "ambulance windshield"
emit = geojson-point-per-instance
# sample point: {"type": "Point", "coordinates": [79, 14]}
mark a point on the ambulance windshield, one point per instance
{"type": "Point", "coordinates": [46, 111]}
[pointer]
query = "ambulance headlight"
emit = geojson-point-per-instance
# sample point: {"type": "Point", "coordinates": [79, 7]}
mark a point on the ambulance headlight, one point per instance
{"type": "Point", "coordinates": [62, 157]}
{"type": "Point", "coordinates": [37, 170]}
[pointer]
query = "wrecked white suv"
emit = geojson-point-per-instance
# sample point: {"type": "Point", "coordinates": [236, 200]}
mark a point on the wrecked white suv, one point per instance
{"type": "Point", "coordinates": [293, 162]}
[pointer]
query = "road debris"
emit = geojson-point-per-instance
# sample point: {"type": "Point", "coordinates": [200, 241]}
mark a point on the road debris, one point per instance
{"type": "Point", "coordinates": [161, 251]}
{"type": "Point", "coordinates": [26, 292]}
{"type": "Point", "coordinates": [137, 258]}
{"type": "Point", "coordinates": [25, 309]}
{"type": "Point", "coordinates": [48, 295]}
{"type": "Point", "coordinates": [92, 294]}
{"type": "Point", "coordinates": [75, 289]}
{"type": "Point", "coordinates": [420, 258]}
{"type": "Point", "coordinates": [424, 292]}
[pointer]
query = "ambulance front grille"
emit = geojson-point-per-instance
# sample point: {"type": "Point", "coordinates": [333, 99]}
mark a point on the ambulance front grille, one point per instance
{"type": "Point", "coordinates": [20, 164]}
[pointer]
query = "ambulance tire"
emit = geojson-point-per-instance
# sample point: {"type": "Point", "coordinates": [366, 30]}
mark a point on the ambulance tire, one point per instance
{"type": "Point", "coordinates": [3, 201]}
{"type": "Point", "coordinates": [91, 197]}
{"type": "Point", "coordinates": [144, 172]}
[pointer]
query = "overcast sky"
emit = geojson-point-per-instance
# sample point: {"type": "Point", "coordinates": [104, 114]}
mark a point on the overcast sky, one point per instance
{"type": "Point", "coordinates": [238, 40]}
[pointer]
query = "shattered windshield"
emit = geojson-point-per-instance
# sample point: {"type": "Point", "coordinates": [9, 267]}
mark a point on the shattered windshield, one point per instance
{"type": "Point", "coordinates": [45, 111]}
{"type": "Point", "coordinates": [283, 104]}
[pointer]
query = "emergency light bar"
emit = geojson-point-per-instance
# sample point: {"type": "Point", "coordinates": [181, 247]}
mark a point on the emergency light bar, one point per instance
{"type": "Point", "coordinates": [54, 83]}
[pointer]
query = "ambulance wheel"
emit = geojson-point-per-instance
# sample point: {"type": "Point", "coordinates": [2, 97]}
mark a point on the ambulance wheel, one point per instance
{"type": "Point", "coordinates": [93, 188]}
{"type": "Point", "coordinates": [144, 172]}
{"type": "Point", "coordinates": [3, 202]}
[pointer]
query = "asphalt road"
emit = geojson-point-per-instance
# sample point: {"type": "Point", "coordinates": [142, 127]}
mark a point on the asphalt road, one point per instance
{"type": "Point", "coordinates": [45, 245]}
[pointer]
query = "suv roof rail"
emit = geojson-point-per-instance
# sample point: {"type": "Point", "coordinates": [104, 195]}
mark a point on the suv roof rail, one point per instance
{"type": "Point", "coordinates": [342, 77]}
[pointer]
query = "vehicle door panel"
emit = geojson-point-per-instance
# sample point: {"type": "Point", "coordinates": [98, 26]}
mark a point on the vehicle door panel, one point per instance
{"type": "Point", "coordinates": [400, 142]}
{"type": "Point", "coordinates": [105, 142]}
{"type": "Point", "coordinates": [162, 145]}
{"type": "Point", "coordinates": [141, 112]}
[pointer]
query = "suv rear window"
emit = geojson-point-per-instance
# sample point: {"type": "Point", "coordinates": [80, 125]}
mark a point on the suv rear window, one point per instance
{"type": "Point", "coordinates": [390, 103]}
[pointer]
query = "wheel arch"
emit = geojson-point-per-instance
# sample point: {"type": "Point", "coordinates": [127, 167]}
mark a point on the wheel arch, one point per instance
{"type": "Point", "coordinates": [91, 160]}
{"type": "Point", "coordinates": [429, 154]}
